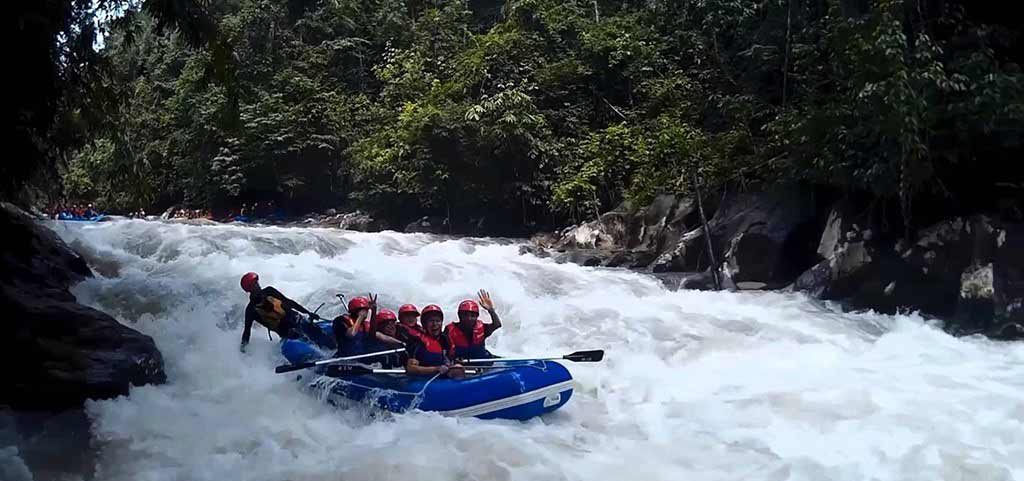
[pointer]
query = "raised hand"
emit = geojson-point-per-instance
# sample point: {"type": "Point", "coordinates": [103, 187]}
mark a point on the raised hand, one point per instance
{"type": "Point", "coordinates": [373, 301]}
{"type": "Point", "coordinates": [485, 300]}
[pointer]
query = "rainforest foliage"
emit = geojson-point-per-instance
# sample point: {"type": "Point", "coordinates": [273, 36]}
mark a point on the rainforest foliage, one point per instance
{"type": "Point", "coordinates": [538, 112]}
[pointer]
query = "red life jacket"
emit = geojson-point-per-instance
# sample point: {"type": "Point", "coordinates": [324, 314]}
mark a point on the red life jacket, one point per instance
{"type": "Point", "coordinates": [471, 347]}
{"type": "Point", "coordinates": [350, 346]}
{"type": "Point", "coordinates": [432, 352]}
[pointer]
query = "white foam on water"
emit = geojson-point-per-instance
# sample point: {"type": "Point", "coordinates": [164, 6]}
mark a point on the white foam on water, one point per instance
{"type": "Point", "coordinates": [694, 386]}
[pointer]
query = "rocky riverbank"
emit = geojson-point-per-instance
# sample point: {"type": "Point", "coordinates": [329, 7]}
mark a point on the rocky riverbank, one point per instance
{"type": "Point", "coordinates": [966, 270]}
{"type": "Point", "coordinates": [56, 352]}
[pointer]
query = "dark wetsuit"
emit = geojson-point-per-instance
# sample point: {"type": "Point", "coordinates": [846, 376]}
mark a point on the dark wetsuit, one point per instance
{"type": "Point", "coordinates": [390, 361]}
{"type": "Point", "coordinates": [276, 312]}
{"type": "Point", "coordinates": [349, 346]}
{"type": "Point", "coordinates": [402, 332]}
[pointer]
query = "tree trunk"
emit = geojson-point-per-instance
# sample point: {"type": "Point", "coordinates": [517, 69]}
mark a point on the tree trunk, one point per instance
{"type": "Point", "coordinates": [785, 63]}
{"type": "Point", "coordinates": [707, 233]}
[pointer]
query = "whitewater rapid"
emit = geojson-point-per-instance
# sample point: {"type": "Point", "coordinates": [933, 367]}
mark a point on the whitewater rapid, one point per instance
{"type": "Point", "coordinates": [694, 386]}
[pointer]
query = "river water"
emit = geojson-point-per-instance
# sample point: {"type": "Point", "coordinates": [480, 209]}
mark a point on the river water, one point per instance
{"type": "Point", "coordinates": [694, 386]}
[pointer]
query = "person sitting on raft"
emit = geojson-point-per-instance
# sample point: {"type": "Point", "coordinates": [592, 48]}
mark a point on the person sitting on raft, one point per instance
{"type": "Point", "coordinates": [350, 329]}
{"type": "Point", "coordinates": [428, 348]}
{"type": "Point", "coordinates": [408, 317]}
{"type": "Point", "coordinates": [382, 336]}
{"type": "Point", "coordinates": [277, 313]}
{"type": "Point", "coordinates": [353, 331]}
{"type": "Point", "coordinates": [467, 337]}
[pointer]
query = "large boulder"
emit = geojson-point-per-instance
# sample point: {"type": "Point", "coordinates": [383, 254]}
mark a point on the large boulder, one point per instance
{"type": "Point", "coordinates": [608, 233]}
{"type": "Point", "coordinates": [701, 281]}
{"type": "Point", "coordinates": [661, 223]}
{"type": "Point", "coordinates": [763, 237]}
{"type": "Point", "coordinates": [358, 221]}
{"type": "Point", "coordinates": [962, 269]}
{"type": "Point", "coordinates": [583, 257]}
{"type": "Point", "coordinates": [863, 274]}
{"type": "Point", "coordinates": [169, 213]}
{"type": "Point", "coordinates": [856, 267]}
{"type": "Point", "coordinates": [428, 225]}
{"type": "Point", "coordinates": [1008, 279]}
{"type": "Point", "coordinates": [33, 253]}
{"type": "Point", "coordinates": [629, 236]}
{"type": "Point", "coordinates": [952, 264]}
{"type": "Point", "coordinates": [56, 352]}
{"type": "Point", "coordinates": [847, 222]}
{"type": "Point", "coordinates": [646, 228]}
{"type": "Point", "coordinates": [689, 254]}
{"type": "Point", "coordinates": [66, 353]}
{"type": "Point", "coordinates": [975, 300]}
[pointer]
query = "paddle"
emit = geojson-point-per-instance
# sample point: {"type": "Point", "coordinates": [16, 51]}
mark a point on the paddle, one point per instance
{"type": "Point", "coordinates": [356, 370]}
{"type": "Point", "coordinates": [360, 370]}
{"type": "Point", "coordinates": [595, 355]}
{"type": "Point", "coordinates": [306, 365]}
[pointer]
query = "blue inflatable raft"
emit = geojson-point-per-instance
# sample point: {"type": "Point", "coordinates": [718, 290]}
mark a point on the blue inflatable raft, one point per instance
{"type": "Point", "coordinates": [71, 218]}
{"type": "Point", "coordinates": [522, 391]}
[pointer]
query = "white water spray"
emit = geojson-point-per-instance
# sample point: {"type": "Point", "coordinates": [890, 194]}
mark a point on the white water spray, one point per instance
{"type": "Point", "coordinates": [694, 386]}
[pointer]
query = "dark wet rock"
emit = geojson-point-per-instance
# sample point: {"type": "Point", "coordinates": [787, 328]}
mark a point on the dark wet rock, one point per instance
{"type": "Point", "coordinates": [583, 257]}
{"type": "Point", "coordinates": [428, 225]}
{"type": "Point", "coordinates": [57, 353]}
{"type": "Point", "coordinates": [629, 236]}
{"type": "Point", "coordinates": [44, 445]}
{"type": "Point", "coordinates": [359, 221]}
{"type": "Point", "coordinates": [961, 269]}
{"type": "Point", "coordinates": [701, 281]}
{"type": "Point", "coordinates": [356, 220]}
{"type": "Point", "coordinates": [761, 236]}
{"type": "Point", "coordinates": [1008, 274]}
{"type": "Point", "coordinates": [534, 250]}
{"type": "Point", "coordinates": [1010, 331]}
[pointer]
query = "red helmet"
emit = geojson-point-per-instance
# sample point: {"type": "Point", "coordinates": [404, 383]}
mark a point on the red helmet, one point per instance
{"type": "Point", "coordinates": [384, 315]}
{"type": "Point", "coordinates": [249, 281]}
{"type": "Point", "coordinates": [408, 309]}
{"type": "Point", "coordinates": [469, 305]}
{"type": "Point", "coordinates": [357, 303]}
{"type": "Point", "coordinates": [433, 308]}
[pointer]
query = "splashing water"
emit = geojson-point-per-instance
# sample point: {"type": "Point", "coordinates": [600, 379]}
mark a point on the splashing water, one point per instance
{"type": "Point", "coordinates": [694, 386]}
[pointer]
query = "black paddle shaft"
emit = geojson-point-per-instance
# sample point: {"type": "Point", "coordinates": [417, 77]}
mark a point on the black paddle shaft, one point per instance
{"type": "Point", "coordinates": [595, 355]}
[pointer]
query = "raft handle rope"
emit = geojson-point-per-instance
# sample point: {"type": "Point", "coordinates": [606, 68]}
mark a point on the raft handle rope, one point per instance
{"type": "Point", "coordinates": [392, 372]}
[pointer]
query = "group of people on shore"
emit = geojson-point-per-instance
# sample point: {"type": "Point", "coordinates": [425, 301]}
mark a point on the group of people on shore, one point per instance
{"type": "Point", "coordinates": [191, 214]}
{"type": "Point", "coordinates": [430, 349]}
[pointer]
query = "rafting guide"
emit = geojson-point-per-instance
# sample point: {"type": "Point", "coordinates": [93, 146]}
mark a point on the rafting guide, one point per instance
{"type": "Point", "coordinates": [279, 314]}
{"type": "Point", "coordinates": [401, 364]}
